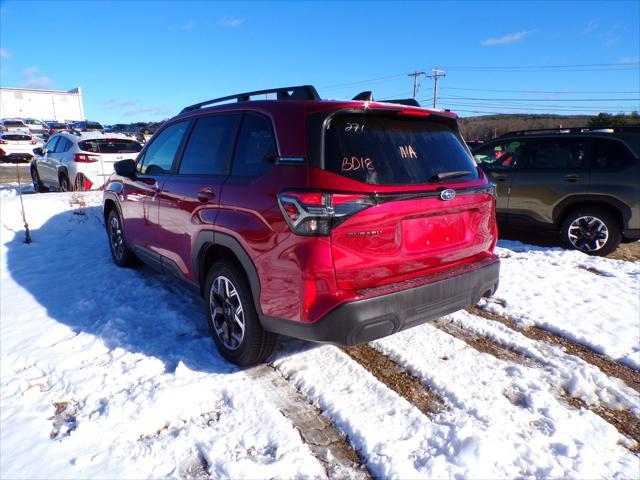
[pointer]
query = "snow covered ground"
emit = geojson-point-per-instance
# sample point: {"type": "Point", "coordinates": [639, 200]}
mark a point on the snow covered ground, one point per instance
{"type": "Point", "coordinates": [110, 373]}
{"type": "Point", "coordinates": [594, 301]}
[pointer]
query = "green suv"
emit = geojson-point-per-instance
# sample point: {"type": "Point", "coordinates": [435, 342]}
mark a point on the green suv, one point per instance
{"type": "Point", "coordinates": [582, 182]}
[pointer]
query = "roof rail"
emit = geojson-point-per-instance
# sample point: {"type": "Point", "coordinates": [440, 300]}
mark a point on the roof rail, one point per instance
{"type": "Point", "coordinates": [599, 129]}
{"type": "Point", "coordinates": [301, 92]}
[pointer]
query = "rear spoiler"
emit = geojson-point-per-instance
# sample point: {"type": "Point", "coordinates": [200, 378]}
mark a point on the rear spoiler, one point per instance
{"type": "Point", "coordinates": [367, 96]}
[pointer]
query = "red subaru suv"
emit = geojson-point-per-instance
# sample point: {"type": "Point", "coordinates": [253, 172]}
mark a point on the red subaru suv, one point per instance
{"type": "Point", "coordinates": [330, 221]}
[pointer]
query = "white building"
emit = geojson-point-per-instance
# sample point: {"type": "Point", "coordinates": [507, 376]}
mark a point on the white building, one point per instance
{"type": "Point", "coordinates": [41, 104]}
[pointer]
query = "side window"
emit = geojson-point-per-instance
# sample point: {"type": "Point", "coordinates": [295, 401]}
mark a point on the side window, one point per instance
{"type": "Point", "coordinates": [501, 156]}
{"type": "Point", "coordinates": [557, 154]}
{"type": "Point", "coordinates": [51, 144]}
{"type": "Point", "coordinates": [209, 146]}
{"type": "Point", "coordinates": [611, 154]}
{"type": "Point", "coordinates": [63, 145]}
{"type": "Point", "coordinates": [255, 149]}
{"type": "Point", "coordinates": [159, 156]}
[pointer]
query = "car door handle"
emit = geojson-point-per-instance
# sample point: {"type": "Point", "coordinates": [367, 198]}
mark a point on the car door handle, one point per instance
{"type": "Point", "coordinates": [205, 195]}
{"type": "Point", "coordinates": [572, 177]}
{"type": "Point", "coordinates": [500, 179]}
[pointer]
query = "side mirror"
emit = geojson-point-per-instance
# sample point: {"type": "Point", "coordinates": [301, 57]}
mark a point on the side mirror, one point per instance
{"type": "Point", "coordinates": [38, 151]}
{"type": "Point", "coordinates": [125, 168]}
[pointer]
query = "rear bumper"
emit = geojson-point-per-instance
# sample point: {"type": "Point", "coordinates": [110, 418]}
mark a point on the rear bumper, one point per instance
{"type": "Point", "coordinates": [17, 157]}
{"type": "Point", "coordinates": [364, 320]}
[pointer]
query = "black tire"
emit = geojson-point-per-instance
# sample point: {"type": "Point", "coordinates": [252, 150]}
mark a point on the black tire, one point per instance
{"type": "Point", "coordinates": [255, 344]}
{"type": "Point", "coordinates": [594, 231]}
{"type": "Point", "coordinates": [78, 183]}
{"type": "Point", "coordinates": [38, 186]}
{"type": "Point", "coordinates": [120, 252]}
{"type": "Point", "coordinates": [63, 182]}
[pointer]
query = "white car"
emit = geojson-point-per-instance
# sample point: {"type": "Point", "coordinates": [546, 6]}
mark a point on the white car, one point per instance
{"type": "Point", "coordinates": [14, 125]}
{"type": "Point", "coordinates": [36, 126]}
{"type": "Point", "coordinates": [79, 161]}
{"type": "Point", "coordinates": [18, 146]}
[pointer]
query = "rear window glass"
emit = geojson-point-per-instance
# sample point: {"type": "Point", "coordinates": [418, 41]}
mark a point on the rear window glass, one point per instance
{"type": "Point", "coordinates": [611, 154]}
{"type": "Point", "coordinates": [95, 125]}
{"type": "Point", "coordinates": [110, 145]}
{"type": "Point", "coordinates": [393, 151]}
{"type": "Point", "coordinates": [11, 123]}
{"type": "Point", "coordinates": [16, 137]}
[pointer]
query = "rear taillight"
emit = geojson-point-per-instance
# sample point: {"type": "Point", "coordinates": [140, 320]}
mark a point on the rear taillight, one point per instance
{"type": "Point", "coordinates": [84, 158]}
{"type": "Point", "coordinates": [4, 142]}
{"type": "Point", "coordinates": [5, 129]}
{"type": "Point", "coordinates": [316, 213]}
{"type": "Point", "coordinates": [33, 142]}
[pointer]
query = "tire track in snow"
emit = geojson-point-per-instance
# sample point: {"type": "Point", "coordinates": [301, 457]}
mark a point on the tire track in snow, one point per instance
{"type": "Point", "coordinates": [397, 379]}
{"type": "Point", "coordinates": [622, 419]}
{"type": "Point", "coordinates": [325, 442]}
{"type": "Point", "coordinates": [610, 367]}
{"type": "Point", "coordinates": [519, 427]}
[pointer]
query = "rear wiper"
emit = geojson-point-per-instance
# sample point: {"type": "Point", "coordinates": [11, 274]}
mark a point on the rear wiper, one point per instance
{"type": "Point", "coordinates": [447, 175]}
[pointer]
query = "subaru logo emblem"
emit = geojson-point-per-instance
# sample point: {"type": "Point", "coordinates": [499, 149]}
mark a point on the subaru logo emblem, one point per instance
{"type": "Point", "coordinates": [448, 194]}
{"type": "Point", "coordinates": [119, 157]}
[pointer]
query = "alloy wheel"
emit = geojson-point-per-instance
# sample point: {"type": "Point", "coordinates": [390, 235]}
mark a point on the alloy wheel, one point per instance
{"type": "Point", "coordinates": [116, 239]}
{"type": "Point", "coordinates": [588, 233]}
{"type": "Point", "coordinates": [227, 314]}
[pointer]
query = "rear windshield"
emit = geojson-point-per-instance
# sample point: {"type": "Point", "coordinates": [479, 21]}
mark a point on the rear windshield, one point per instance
{"type": "Point", "coordinates": [16, 137]}
{"type": "Point", "coordinates": [93, 125]}
{"type": "Point", "coordinates": [390, 151]}
{"type": "Point", "coordinates": [12, 123]}
{"type": "Point", "coordinates": [110, 145]}
{"type": "Point", "coordinates": [57, 125]}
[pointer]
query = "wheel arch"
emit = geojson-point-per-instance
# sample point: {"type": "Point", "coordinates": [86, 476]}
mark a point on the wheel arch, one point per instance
{"type": "Point", "coordinates": [63, 170]}
{"type": "Point", "coordinates": [611, 204]}
{"type": "Point", "coordinates": [108, 204]}
{"type": "Point", "coordinates": [210, 246]}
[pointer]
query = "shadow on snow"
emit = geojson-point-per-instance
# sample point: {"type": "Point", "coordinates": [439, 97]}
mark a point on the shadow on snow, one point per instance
{"type": "Point", "coordinates": [68, 270]}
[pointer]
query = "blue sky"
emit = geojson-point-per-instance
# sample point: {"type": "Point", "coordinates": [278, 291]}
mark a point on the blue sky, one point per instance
{"type": "Point", "coordinates": [146, 60]}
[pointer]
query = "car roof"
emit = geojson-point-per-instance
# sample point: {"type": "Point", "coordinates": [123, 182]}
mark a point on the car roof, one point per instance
{"type": "Point", "coordinates": [97, 136]}
{"type": "Point", "coordinates": [308, 107]}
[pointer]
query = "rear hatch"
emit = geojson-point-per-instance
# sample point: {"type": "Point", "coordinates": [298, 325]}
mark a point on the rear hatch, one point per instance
{"type": "Point", "coordinates": [421, 205]}
{"type": "Point", "coordinates": [18, 143]}
{"type": "Point", "coordinates": [107, 151]}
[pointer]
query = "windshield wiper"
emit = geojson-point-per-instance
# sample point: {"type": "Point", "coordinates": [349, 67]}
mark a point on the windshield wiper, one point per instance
{"type": "Point", "coordinates": [447, 175]}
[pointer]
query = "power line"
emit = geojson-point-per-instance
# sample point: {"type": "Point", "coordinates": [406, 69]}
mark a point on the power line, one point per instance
{"type": "Point", "coordinates": [547, 99]}
{"type": "Point", "coordinates": [558, 112]}
{"type": "Point", "coordinates": [569, 68]}
{"type": "Point", "coordinates": [538, 91]}
{"type": "Point", "coordinates": [545, 67]}
{"type": "Point", "coordinates": [360, 82]}
{"type": "Point", "coordinates": [556, 108]}
{"type": "Point", "coordinates": [525, 103]}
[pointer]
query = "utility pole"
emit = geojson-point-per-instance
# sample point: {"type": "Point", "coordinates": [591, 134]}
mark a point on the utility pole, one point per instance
{"type": "Point", "coordinates": [436, 75]}
{"type": "Point", "coordinates": [416, 84]}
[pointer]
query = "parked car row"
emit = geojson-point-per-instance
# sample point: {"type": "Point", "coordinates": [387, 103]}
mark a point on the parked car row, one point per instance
{"type": "Point", "coordinates": [79, 160]}
{"type": "Point", "coordinates": [20, 133]}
